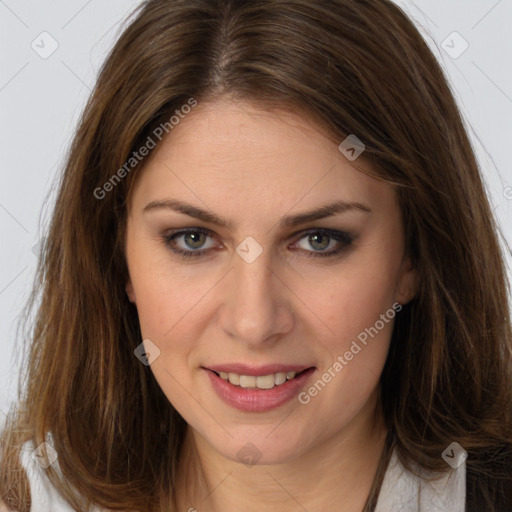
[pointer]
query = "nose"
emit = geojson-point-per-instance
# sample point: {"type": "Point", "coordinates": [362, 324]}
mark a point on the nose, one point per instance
{"type": "Point", "coordinates": [257, 306]}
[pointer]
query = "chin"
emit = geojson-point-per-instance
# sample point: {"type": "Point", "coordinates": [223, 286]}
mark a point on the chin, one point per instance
{"type": "Point", "coordinates": [256, 448]}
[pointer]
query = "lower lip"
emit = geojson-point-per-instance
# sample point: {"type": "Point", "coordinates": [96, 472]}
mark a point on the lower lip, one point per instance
{"type": "Point", "coordinates": [258, 400]}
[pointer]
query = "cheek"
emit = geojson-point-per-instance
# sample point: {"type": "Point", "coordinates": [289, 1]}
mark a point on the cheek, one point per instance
{"type": "Point", "coordinates": [154, 303]}
{"type": "Point", "coordinates": [360, 316]}
{"type": "Point", "coordinates": [357, 315]}
{"type": "Point", "coordinates": [173, 312]}
{"type": "Point", "coordinates": [165, 297]}
{"type": "Point", "coordinates": [352, 298]}
{"type": "Point", "coordinates": [168, 313]}
{"type": "Point", "coordinates": [359, 301]}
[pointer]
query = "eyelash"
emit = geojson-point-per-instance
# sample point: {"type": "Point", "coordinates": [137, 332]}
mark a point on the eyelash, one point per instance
{"type": "Point", "coordinates": [341, 236]}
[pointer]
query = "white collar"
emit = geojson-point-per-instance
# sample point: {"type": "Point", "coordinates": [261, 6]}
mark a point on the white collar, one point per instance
{"type": "Point", "coordinates": [403, 491]}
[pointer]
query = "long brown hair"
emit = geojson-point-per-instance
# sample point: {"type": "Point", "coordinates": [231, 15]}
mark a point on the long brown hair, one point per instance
{"type": "Point", "coordinates": [354, 67]}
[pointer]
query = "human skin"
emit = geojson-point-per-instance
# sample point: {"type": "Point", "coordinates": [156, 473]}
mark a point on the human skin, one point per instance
{"type": "Point", "coordinates": [252, 167]}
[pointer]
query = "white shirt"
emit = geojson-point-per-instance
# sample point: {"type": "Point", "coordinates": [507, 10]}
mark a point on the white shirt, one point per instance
{"type": "Point", "coordinates": [401, 491]}
{"type": "Point", "coordinates": [45, 497]}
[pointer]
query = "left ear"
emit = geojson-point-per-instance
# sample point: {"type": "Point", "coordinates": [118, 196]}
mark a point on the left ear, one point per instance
{"type": "Point", "coordinates": [408, 283]}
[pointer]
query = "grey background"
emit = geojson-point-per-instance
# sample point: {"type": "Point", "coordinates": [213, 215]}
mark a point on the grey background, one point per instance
{"type": "Point", "coordinates": [41, 97]}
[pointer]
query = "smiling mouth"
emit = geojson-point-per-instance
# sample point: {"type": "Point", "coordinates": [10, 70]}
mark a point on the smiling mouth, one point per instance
{"type": "Point", "coordinates": [262, 382]}
{"type": "Point", "coordinates": [270, 386]}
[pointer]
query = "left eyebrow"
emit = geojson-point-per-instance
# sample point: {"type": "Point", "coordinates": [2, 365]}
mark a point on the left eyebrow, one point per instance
{"type": "Point", "coordinates": [322, 212]}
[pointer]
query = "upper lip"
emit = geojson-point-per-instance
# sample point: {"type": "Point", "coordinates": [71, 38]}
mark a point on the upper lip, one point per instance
{"type": "Point", "coordinates": [267, 369]}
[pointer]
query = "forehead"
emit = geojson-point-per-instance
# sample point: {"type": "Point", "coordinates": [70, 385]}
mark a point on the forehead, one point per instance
{"type": "Point", "coordinates": [238, 156]}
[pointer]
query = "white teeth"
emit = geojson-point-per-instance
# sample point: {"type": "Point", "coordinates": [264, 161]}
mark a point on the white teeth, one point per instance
{"type": "Point", "coordinates": [260, 381]}
{"type": "Point", "coordinates": [265, 381]}
{"type": "Point", "coordinates": [234, 378]}
{"type": "Point", "coordinates": [247, 381]}
{"type": "Point", "coordinates": [280, 378]}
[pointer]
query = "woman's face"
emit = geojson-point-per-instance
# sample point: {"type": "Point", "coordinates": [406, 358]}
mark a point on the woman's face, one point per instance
{"type": "Point", "coordinates": [270, 280]}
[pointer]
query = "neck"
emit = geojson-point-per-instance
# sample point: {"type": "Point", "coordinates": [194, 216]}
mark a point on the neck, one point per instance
{"type": "Point", "coordinates": [335, 475]}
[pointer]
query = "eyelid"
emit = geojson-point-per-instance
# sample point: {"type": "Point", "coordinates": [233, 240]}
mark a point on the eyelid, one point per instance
{"type": "Point", "coordinates": [340, 236]}
{"type": "Point", "coordinates": [172, 235]}
{"type": "Point", "coordinates": [326, 231]}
